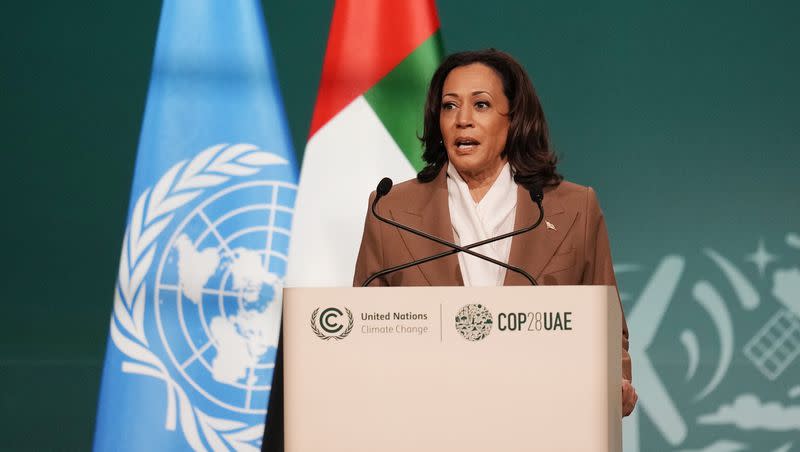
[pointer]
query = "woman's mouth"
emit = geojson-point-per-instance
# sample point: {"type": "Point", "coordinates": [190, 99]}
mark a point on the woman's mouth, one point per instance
{"type": "Point", "coordinates": [466, 143]}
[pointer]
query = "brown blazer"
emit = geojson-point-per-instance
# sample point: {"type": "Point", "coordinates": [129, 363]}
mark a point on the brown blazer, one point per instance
{"type": "Point", "coordinates": [576, 252]}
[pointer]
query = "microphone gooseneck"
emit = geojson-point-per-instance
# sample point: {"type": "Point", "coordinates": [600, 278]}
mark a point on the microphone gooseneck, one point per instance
{"type": "Point", "coordinates": [386, 185]}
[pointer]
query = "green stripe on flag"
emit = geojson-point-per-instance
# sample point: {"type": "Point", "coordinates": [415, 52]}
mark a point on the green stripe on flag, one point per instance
{"type": "Point", "coordinates": [398, 99]}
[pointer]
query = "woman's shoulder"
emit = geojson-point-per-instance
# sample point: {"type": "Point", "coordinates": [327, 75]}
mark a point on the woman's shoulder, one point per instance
{"type": "Point", "coordinates": [576, 196]}
{"type": "Point", "coordinates": [411, 186]}
{"type": "Point", "coordinates": [410, 194]}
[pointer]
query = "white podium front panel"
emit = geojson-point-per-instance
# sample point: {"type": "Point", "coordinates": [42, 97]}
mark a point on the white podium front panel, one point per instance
{"type": "Point", "coordinates": [452, 369]}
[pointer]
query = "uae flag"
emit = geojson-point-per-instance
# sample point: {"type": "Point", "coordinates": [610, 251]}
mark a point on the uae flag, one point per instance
{"type": "Point", "coordinates": [379, 60]}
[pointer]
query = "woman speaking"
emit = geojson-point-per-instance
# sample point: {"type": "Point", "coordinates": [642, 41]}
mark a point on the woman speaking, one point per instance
{"type": "Point", "coordinates": [487, 149]}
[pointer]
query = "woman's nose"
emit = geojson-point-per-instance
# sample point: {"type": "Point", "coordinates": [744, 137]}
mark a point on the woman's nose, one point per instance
{"type": "Point", "coordinates": [464, 117]}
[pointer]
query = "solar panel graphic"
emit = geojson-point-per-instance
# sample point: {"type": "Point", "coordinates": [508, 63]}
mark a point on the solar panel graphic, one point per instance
{"type": "Point", "coordinates": [776, 344]}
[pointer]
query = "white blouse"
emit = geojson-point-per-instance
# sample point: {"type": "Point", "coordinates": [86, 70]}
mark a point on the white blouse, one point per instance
{"type": "Point", "coordinates": [473, 222]}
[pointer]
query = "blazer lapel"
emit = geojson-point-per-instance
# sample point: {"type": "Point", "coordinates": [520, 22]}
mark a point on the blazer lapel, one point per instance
{"type": "Point", "coordinates": [532, 250]}
{"type": "Point", "coordinates": [432, 215]}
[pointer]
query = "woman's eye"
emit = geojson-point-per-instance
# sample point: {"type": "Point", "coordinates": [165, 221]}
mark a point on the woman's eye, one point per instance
{"type": "Point", "coordinates": [448, 106]}
{"type": "Point", "coordinates": [481, 105]}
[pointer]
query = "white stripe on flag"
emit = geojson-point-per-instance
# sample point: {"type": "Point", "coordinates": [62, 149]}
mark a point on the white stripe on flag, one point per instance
{"type": "Point", "coordinates": [343, 163]}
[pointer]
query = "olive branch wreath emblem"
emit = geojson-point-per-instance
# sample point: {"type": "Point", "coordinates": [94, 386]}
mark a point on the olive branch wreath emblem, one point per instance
{"type": "Point", "coordinates": [338, 337]}
{"type": "Point", "coordinates": [152, 213]}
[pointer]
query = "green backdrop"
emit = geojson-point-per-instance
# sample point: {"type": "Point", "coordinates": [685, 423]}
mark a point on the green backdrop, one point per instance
{"type": "Point", "coordinates": [682, 115]}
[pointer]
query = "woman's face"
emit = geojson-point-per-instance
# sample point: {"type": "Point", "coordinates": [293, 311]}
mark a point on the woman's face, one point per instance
{"type": "Point", "coordinates": [474, 120]}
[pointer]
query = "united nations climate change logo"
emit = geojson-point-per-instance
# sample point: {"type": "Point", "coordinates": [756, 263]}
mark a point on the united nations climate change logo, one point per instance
{"type": "Point", "coordinates": [331, 323]}
{"type": "Point", "coordinates": [215, 290]}
{"type": "Point", "coordinates": [474, 322]}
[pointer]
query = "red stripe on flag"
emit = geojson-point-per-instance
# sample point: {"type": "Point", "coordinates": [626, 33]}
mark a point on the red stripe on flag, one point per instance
{"type": "Point", "coordinates": [366, 41]}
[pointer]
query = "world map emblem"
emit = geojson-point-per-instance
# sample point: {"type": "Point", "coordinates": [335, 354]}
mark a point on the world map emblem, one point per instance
{"type": "Point", "coordinates": [222, 269]}
{"type": "Point", "coordinates": [198, 302]}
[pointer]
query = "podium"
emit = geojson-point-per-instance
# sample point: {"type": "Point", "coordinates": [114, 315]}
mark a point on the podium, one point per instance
{"type": "Point", "coordinates": [452, 369]}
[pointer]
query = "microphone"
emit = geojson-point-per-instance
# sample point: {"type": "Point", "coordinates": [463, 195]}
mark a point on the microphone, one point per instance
{"type": "Point", "coordinates": [385, 185]}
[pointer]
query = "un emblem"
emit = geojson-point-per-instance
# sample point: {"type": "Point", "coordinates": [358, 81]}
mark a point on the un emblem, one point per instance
{"type": "Point", "coordinates": [222, 271]}
{"type": "Point", "coordinates": [474, 322]}
{"type": "Point", "coordinates": [210, 288]}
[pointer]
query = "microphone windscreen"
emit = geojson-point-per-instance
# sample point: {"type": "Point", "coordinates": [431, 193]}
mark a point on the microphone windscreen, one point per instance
{"type": "Point", "coordinates": [537, 194]}
{"type": "Point", "coordinates": [384, 186]}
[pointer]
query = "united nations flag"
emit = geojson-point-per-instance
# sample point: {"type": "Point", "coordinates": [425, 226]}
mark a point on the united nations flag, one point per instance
{"type": "Point", "coordinates": [197, 305]}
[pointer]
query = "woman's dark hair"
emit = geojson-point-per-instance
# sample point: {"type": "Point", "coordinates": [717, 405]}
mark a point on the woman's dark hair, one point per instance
{"type": "Point", "coordinates": [528, 142]}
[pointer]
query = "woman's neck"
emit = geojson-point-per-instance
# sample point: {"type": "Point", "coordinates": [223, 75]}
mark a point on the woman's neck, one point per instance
{"type": "Point", "coordinates": [479, 184]}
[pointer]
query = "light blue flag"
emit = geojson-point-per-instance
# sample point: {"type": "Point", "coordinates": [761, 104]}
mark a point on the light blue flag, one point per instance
{"type": "Point", "coordinates": [197, 305]}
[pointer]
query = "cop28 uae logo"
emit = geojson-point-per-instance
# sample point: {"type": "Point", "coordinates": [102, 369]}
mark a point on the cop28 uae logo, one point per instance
{"type": "Point", "coordinates": [330, 323]}
{"type": "Point", "coordinates": [474, 322]}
